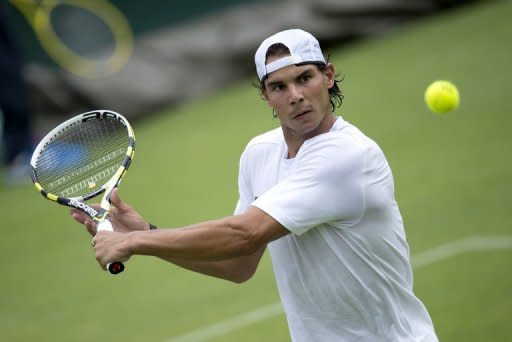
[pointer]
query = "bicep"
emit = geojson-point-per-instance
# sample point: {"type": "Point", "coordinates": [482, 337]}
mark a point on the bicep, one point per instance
{"type": "Point", "coordinates": [259, 228]}
{"type": "Point", "coordinates": [262, 226]}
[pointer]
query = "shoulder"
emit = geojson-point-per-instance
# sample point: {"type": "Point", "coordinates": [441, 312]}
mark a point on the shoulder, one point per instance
{"type": "Point", "coordinates": [342, 139]}
{"type": "Point", "coordinates": [273, 137]}
{"type": "Point", "coordinates": [264, 143]}
{"type": "Point", "coordinates": [345, 146]}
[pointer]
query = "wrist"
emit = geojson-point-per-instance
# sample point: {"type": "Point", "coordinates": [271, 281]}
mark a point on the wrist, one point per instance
{"type": "Point", "coordinates": [131, 243]}
{"type": "Point", "coordinates": [139, 242]}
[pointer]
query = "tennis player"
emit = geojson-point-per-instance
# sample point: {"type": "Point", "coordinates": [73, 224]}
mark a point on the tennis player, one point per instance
{"type": "Point", "coordinates": [320, 195]}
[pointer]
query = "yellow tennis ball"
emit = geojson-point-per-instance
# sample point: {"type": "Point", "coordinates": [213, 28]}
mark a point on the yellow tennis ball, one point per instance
{"type": "Point", "coordinates": [442, 97]}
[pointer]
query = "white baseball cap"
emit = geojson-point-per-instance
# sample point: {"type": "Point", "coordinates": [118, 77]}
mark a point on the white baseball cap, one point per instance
{"type": "Point", "coordinates": [303, 46]}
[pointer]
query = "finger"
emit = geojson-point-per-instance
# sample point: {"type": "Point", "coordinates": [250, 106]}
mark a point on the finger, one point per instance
{"type": "Point", "coordinates": [91, 227]}
{"type": "Point", "coordinates": [117, 202]}
{"type": "Point", "coordinates": [103, 266]}
{"type": "Point", "coordinates": [85, 220]}
{"type": "Point", "coordinates": [95, 206]}
{"type": "Point", "coordinates": [114, 212]}
{"type": "Point", "coordinates": [79, 216]}
{"type": "Point", "coordinates": [82, 218]}
{"type": "Point", "coordinates": [97, 254]}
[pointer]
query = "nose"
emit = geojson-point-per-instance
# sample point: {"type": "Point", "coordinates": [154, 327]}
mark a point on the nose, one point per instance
{"type": "Point", "coordinates": [295, 94]}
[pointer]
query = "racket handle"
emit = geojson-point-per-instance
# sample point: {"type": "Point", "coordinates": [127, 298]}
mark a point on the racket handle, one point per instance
{"type": "Point", "coordinates": [116, 266]}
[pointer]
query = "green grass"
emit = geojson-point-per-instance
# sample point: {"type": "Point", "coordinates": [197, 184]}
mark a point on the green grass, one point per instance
{"type": "Point", "coordinates": [451, 174]}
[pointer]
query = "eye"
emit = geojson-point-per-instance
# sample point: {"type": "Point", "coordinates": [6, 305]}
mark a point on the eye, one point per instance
{"type": "Point", "coordinates": [277, 87]}
{"type": "Point", "coordinates": [304, 78]}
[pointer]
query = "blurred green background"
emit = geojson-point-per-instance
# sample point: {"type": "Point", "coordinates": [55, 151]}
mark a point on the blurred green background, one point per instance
{"type": "Point", "coordinates": [451, 174]}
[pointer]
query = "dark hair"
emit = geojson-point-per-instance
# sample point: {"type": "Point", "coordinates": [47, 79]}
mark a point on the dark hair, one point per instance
{"type": "Point", "coordinates": [281, 50]}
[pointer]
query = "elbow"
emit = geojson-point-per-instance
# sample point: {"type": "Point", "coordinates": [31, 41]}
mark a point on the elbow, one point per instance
{"type": "Point", "coordinates": [242, 275]}
{"type": "Point", "coordinates": [249, 249]}
{"type": "Point", "coordinates": [240, 278]}
{"type": "Point", "coordinates": [247, 262]}
{"type": "Point", "coordinates": [253, 230]}
{"type": "Point", "coordinates": [249, 242]}
{"type": "Point", "coordinates": [241, 241]}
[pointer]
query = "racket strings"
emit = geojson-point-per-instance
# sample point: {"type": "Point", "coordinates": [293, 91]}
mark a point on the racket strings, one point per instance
{"type": "Point", "coordinates": [82, 157]}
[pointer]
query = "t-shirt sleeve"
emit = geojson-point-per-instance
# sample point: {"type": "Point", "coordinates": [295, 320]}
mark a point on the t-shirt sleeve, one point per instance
{"type": "Point", "coordinates": [326, 185]}
{"type": "Point", "coordinates": [245, 196]}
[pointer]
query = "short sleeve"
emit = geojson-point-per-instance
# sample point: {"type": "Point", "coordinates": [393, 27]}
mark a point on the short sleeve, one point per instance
{"type": "Point", "coordinates": [244, 190]}
{"type": "Point", "coordinates": [326, 185]}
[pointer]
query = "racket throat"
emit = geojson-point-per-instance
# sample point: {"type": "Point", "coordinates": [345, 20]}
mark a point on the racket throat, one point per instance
{"type": "Point", "coordinates": [82, 206]}
{"type": "Point", "coordinates": [101, 215]}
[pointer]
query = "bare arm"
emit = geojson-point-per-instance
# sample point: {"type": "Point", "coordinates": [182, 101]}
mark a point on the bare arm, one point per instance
{"type": "Point", "coordinates": [228, 248]}
{"type": "Point", "coordinates": [240, 237]}
{"type": "Point", "coordinates": [226, 238]}
{"type": "Point", "coordinates": [237, 270]}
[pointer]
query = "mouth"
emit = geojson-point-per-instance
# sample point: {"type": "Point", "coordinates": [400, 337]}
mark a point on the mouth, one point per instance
{"type": "Point", "coordinates": [301, 114]}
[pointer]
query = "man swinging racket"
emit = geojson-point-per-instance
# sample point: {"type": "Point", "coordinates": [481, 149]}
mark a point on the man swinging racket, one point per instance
{"type": "Point", "coordinates": [319, 194]}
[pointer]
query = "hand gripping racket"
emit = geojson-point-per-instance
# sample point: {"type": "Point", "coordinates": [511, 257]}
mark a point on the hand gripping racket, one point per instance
{"type": "Point", "coordinates": [82, 158]}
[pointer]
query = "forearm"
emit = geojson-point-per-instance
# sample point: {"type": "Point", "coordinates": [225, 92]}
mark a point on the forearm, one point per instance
{"type": "Point", "coordinates": [236, 270]}
{"type": "Point", "coordinates": [228, 248]}
{"type": "Point", "coordinates": [207, 241]}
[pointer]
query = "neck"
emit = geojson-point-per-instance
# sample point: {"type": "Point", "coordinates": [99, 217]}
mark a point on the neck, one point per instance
{"type": "Point", "coordinates": [295, 141]}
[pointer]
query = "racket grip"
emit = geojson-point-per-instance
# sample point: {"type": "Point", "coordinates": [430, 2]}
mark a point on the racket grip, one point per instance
{"type": "Point", "coordinates": [116, 266]}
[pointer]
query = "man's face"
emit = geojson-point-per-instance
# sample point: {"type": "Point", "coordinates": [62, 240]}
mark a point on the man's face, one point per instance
{"type": "Point", "coordinates": [300, 97]}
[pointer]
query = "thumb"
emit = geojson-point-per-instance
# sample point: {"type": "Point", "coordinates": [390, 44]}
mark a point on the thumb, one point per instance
{"type": "Point", "coordinates": [116, 201]}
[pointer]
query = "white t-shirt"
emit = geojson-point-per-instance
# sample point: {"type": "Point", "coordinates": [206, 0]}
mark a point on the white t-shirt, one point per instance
{"type": "Point", "coordinates": [344, 272]}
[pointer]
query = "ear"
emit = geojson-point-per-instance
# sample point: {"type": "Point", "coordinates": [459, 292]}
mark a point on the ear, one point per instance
{"type": "Point", "coordinates": [264, 97]}
{"type": "Point", "coordinates": [331, 75]}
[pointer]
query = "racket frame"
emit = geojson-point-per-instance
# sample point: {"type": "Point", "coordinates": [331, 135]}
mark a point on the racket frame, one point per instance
{"type": "Point", "coordinates": [100, 216]}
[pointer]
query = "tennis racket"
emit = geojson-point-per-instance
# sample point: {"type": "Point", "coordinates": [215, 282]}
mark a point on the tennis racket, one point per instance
{"type": "Point", "coordinates": [84, 157]}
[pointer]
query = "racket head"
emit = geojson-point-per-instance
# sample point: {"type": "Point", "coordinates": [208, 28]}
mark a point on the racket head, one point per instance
{"type": "Point", "coordinates": [83, 157]}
